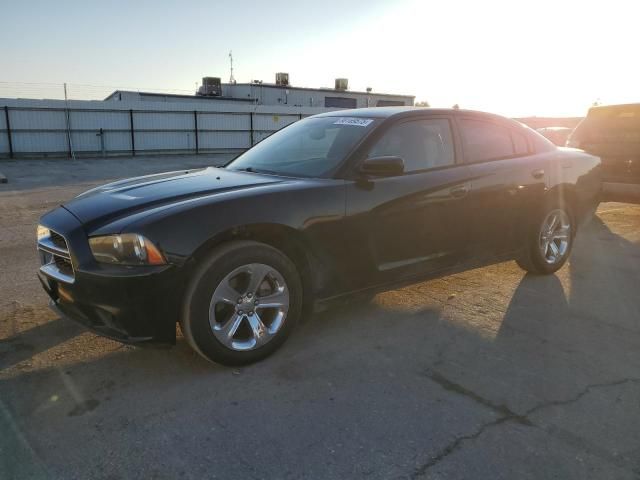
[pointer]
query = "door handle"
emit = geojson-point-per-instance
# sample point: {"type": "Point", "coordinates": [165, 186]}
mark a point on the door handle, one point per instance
{"type": "Point", "coordinates": [537, 173]}
{"type": "Point", "coordinates": [459, 192]}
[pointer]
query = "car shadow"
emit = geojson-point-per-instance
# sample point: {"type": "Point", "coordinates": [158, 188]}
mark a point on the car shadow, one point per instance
{"type": "Point", "coordinates": [33, 341]}
{"type": "Point", "coordinates": [398, 325]}
{"type": "Point", "coordinates": [588, 312]}
{"type": "Point", "coordinates": [114, 373]}
{"type": "Point", "coordinates": [471, 348]}
{"type": "Point", "coordinates": [604, 275]}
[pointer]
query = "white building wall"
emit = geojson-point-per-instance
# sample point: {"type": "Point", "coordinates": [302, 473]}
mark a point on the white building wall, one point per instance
{"type": "Point", "coordinates": [273, 95]}
{"type": "Point", "coordinates": [129, 96]}
{"type": "Point", "coordinates": [265, 94]}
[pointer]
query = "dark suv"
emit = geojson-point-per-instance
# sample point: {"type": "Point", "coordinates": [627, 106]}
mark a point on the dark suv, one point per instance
{"type": "Point", "coordinates": [613, 133]}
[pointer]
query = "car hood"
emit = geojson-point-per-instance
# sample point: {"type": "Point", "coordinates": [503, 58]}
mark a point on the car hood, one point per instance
{"type": "Point", "coordinates": [133, 195]}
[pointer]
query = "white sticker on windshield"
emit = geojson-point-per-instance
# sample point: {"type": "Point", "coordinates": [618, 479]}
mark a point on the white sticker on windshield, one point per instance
{"type": "Point", "coordinates": [357, 122]}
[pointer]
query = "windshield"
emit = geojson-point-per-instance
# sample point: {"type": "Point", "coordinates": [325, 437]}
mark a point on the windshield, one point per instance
{"type": "Point", "coordinates": [309, 148]}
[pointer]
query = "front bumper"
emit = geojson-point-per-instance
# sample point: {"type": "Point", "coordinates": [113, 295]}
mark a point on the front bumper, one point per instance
{"type": "Point", "coordinates": [128, 304]}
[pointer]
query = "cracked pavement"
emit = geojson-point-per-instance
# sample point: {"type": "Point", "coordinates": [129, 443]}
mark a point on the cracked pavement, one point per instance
{"type": "Point", "coordinates": [489, 373]}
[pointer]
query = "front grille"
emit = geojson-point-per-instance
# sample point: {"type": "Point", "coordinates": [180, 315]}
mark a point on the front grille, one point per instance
{"type": "Point", "coordinates": [63, 265]}
{"type": "Point", "coordinates": [55, 259]}
{"type": "Point", "coordinates": [59, 241]}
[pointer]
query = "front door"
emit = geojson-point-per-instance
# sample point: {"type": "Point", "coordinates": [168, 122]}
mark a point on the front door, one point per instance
{"type": "Point", "coordinates": [413, 224]}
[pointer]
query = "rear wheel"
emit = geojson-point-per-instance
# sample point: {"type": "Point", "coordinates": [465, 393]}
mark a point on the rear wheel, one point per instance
{"type": "Point", "coordinates": [242, 303]}
{"type": "Point", "coordinates": [549, 241]}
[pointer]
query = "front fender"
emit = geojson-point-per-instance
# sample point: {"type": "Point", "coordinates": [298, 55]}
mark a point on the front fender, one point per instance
{"type": "Point", "coordinates": [314, 210]}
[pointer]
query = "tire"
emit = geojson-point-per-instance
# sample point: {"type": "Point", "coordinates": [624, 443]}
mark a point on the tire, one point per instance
{"type": "Point", "coordinates": [242, 330]}
{"type": "Point", "coordinates": [589, 215]}
{"type": "Point", "coordinates": [538, 236]}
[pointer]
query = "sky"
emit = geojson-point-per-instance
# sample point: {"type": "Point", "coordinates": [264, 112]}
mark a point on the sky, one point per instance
{"type": "Point", "coordinates": [516, 58]}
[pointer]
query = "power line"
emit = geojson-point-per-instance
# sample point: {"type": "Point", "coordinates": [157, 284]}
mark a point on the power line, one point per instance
{"type": "Point", "coordinates": [77, 91]}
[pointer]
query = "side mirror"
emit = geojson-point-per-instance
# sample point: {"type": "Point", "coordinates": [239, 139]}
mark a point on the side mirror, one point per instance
{"type": "Point", "coordinates": [387, 166]}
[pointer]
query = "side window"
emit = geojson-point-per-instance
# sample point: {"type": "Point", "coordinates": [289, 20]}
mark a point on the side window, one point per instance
{"type": "Point", "coordinates": [421, 144]}
{"type": "Point", "coordinates": [519, 142]}
{"type": "Point", "coordinates": [485, 141]}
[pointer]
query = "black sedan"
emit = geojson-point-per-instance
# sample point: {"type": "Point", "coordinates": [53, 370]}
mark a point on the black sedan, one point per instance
{"type": "Point", "coordinates": [338, 204]}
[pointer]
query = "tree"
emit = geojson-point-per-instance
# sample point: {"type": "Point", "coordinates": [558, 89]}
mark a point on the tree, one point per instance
{"type": "Point", "coordinates": [422, 103]}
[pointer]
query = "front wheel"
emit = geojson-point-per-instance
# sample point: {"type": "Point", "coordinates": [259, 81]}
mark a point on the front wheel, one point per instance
{"type": "Point", "coordinates": [242, 303]}
{"type": "Point", "coordinates": [549, 241]}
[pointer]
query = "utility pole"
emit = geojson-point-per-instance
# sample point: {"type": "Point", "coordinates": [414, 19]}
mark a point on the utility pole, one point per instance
{"type": "Point", "coordinates": [72, 153]}
{"type": "Point", "coordinates": [231, 79]}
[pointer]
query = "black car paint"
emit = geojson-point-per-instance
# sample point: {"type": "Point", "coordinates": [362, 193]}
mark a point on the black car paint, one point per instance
{"type": "Point", "coordinates": [347, 234]}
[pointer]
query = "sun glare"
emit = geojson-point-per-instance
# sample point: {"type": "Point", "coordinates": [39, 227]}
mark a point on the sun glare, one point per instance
{"type": "Point", "coordinates": [513, 58]}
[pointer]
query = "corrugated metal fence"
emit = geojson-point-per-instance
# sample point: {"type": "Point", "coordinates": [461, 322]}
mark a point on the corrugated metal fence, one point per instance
{"type": "Point", "coordinates": [30, 130]}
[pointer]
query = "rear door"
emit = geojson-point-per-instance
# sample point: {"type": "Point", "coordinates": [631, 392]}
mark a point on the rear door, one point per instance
{"type": "Point", "coordinates": [508, 181]}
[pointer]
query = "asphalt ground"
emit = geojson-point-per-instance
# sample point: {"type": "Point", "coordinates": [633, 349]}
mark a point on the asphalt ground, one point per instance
{"type": "Point", "coordinates": [490, 373]}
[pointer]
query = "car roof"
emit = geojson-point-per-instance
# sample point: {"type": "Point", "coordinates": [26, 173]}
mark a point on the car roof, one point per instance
{"type": "Point", "coordinates": [388, 112]}
{"type": "Point", "coordinates": [554, 129]}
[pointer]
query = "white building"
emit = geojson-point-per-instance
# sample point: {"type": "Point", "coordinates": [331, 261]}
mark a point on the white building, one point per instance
{"type": "Point", "coordinates": [273, 94]}
{"type": "Point", "coordinates": [280, 93]}
{"type": "Point", "coordinates": [220, 118]}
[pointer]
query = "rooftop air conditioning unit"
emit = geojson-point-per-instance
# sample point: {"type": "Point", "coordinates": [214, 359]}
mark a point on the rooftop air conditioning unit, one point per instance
{"type": "Point", "coordinates": [282, 79]}
{"type": "Point", "coordinates": [342, 84]}
{"type": "Point", "coordinates": [211, 87]}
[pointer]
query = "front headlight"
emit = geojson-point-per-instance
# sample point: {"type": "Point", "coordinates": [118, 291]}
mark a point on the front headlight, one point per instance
{"type": "Point", "coordinates": [43, 232]}
{"type": "Point", "coordinates": [125, 249]}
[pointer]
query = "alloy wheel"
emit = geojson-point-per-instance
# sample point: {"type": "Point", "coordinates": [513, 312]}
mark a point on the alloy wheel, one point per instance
{"type": "Point", "coordinates": [249, 307]}
{"type": "Point", "coordinates": [555, 235]}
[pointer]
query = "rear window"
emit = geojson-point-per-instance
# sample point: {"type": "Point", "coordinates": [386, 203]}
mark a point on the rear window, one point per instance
{"type": "Point", "coordinates": [519, 142]}
{"type": "Point", "coordinates": [538, 142]}
{"type": "Point", "coordinates": [485, 141]}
